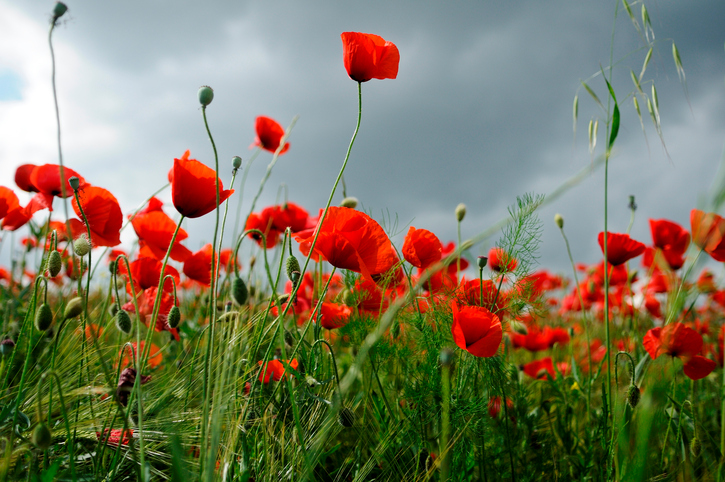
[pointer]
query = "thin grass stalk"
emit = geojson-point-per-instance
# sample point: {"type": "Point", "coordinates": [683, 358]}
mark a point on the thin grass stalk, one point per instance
{"type": "Point", "coordinates": [241, 191]}
{"type": "Point", "coordinates": [70, 440]}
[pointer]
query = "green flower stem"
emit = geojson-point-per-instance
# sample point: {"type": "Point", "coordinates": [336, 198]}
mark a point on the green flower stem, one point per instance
{"type": "Point", "coordinates": [444, 449]}
{"type": "Point", "coordinates": [241, 191]}
{"type": "Point", "coordinates": [224, 222]}
{"type": "Point", "coordinates": [69, 440]}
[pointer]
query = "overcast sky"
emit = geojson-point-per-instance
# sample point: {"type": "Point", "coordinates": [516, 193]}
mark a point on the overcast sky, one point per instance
{"type": "Point", "coordinates": [480, 113]}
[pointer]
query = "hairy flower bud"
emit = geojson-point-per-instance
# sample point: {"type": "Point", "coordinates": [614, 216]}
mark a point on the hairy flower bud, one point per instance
{"type": "Point", "coordinates": [54, 263]}
{"type": "Point", "coordinates": [460, 212]}
{"type": "Point", "coordinates": [559, 220]}
{"type": "Point", "coordinates": [633, 395]}
{"type": "Point", "coordinates": [349, 202]}
{"type": "Point", "coordinates": [59, 10]}
{"type": "Point", "coordinates": [41, 436]}
{"type": "Point", "coordinates": [81, 245]}
{"type": "Point", "coordinates": [43, 317]}
{"type": "Point", "coordinates": [446, 357]}
{"type": "Point", "coordinates": [695, 447]}
{"type": "Point", "coordinates": [292, 266]}
{"type": "Point", "coordinates": [123, 321]}
{"type": "Point", "coordinates": [206, 95]}
{"type": "Point", "coordinates": [6, 346]}
{"type": "Point", "coordinates": [73, 308]}
{"type": "Point", "coordinates": [239, 291]}
{"type": "Point", "coordinates": [174, 317]}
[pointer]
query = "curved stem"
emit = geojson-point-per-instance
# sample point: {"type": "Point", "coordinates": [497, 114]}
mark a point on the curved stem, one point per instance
{"type": "Point", "coordinates": [241, 191]}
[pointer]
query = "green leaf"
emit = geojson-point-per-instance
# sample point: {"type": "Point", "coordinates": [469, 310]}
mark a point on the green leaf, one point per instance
{"type": "Point", "coordinates": [615, 127]}
{"type": "Point", "coordinates": [49, 475]}
{"type": "Point", "coordinates": [611, 90]}
{"type": "Point", "coordinates": [594, 96]}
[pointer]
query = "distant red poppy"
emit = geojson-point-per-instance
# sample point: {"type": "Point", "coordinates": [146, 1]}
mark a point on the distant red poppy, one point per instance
{"type": "Point", "coordinates": [146, 300]}
{"type": "Point", "coordinates": [289, 215]}
{"type": "Point", "coordinates": [46, 179]}
{"type": "Point", "coordinates": [538, 340]}
{"type": "Point", "coordinates": [351, 240]}
{"type": "Point", "coordinates": [708, 233]}
{"type": "Point", "coordinates": [447, 250]}
{"type": "Point", "coordinates": [476, 330]}
{"type": "Point", "coordinates": [620, 247]}
{"type": "Point", "coordinates": [334, 315]}
{"type": "Point", "coordinates": [155, 229]}
{"type": "Point", "coordinates": [264, 223]}
{"type": "Point", "coordinates": [116, 436]}
{"type": "Point", "coordinates": [678, 340]}
{"type": "Point", "coordinates": [146, 272]}
{"type": "Point", "coordinates": [421, 248]}
{"type": "Point", "coordinates": [494, 406]}
{"type": "Point", "coordinates": [539, 368]}
{"type": "Point", "coordinates": [367, 56]}
{"type": "Point", "coordinates": [155, 356]}
{"type": "Point", "coordinates": [13, 214]}
{"type": "Point", "coordinates": [22, 177]}
{"type": "Point", "coordinates": [672, 239]}
{"type": "Point", "coordinates": [193, 187]}
{"type": "Point", "coordinates": [501, 261]}
{"type": "Point", "coordinates": [470, 294]}
{"type": "Point", "coordinates": [198, 265]}
{"type": "Point", "coordinates": [275, 370]}
{"type": "Point", "coordinates": [269, 135]}
{"type": "Point", "coordinates": [706, 282]}
{"type": "Point", "coordinates": [103, 213]}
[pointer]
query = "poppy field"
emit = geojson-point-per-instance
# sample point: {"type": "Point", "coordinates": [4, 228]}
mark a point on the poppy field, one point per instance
{"type": "Point", "coordinates": [304, 343]}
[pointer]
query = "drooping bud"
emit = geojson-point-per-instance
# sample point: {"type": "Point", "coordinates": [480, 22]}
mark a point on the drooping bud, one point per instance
{"type": "Point", "coordinates": [346, 417]}
{"type": "Point", "coordinates": [59, 10]}
{"type": "Point", "coordinates": [446, 357]}
{"type": "Point", "coordinates": [206, 95]}
{"type": "Point", "coordinates": [43, 317]}
{"type": "Point", "coordinates": [559, 220]}
{"type": "Point", "coordinates": [73, 308]}
{"type": "Point", "coordinates": [236, 162]}
{"type": "Point", "coordinates": [123, 321]}
{"type": "Point", "coordinates": [6, 346]}
{"type": "Point", "coordinates": [174, 317]}
{"type": "Point", "coordinates": [41, 436]}
{"type": "Point", "coordinates": [695, 447]}
{"type": "Point", "coordinates": [74, 182]}
{"type": "Point", "coordinates": [292, 266]}
{"type": "Point", "coordinates": [633, 395]}
{"type": "Point", "coordinates": [460, 212]}
{"type": "Point", "coordinates": [81, 245]}
{"type": "Point", "coordinates": [632, 205]}
{"type": "Point", "coordinates": [54, 263]}
{"type": "Point", "coordinates": [482, 261]}
{"type": "Point", "coordinates": [239, 291]}
{"type": "Point", "coordinates": [349, 202]}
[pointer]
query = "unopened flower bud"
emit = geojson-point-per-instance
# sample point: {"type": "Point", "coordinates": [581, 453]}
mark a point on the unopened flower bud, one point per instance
{"type": "Point", "coordinates": [349, 202]}
{"type": "Point", "coordinates": [460, 212]}
{"type": "Point", "coordinates": [6, 346]}
{"type": "Point", "coordinates": [41, 436]}
{"type": "Point", "coordinates": [633, 395]}
{"type": "Point", "coordinates": [695, 447]}
{"type": "Point", "coordinates": [74, 182]}
{"type": "Point", "coordinates": [632, 205]}
{"type": "Point", "coordinates": [239, 291]}
{"type": "Point", "coordinates": [446, 357]}
{"type": "Point", "coordinates": [55, 263]}
{"type": "Point", "coordinates": [73, 308]}
{"type": "Point", "coordinates": [81, 245]}
{"type": "Point", "coordinates": [292, 266]}
{"type": "Point", "coordinates": [123, 321]}
{"type": "Point", "coordinates": [206, 95]}
{"type": "Point", "coordinates": [559, 220]}
{"type": "Point", "coordinates": [174, 317]}
{"type": "Point", "coordinates": [482, 261]}
{"type": "Point", "coordinates": [43, 317]}
{"type": "Point", "coordinates": [59, 10]}
{"type": "Point", "coordinates": [236, 162]}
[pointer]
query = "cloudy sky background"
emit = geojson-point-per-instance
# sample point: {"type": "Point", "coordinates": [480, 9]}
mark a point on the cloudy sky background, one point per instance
{"type": "Point", "coordinates": [481, 111]}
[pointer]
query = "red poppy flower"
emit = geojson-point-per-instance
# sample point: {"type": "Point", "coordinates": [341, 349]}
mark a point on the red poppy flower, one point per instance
{"type": "Point", "coordinates": [22, 177]}
{"type": "Point", "coordinates": [13, 214]}
{"type": "Point", "coordinates": [269, 135]}
{"type": "Point", "coordinates": [145, 273]}
{"type": "Point", "coordinates": [620, 247]}
{"type": "Point", "coordinates": [146, 300]}
{"type": "Point", "coordinates": [494, 406]}
{"type": "Point", "coordinates": [453, 267]}
{"type": "Point", "coordinates": [264, 223]}
{"type": "Point", "coordinates": [367, 56]}
{"type": "Point", "coordinates": [678, 340]}
{"type": "Point", "coordinates": [706, 282]}
{"type": "Point", "coordinates": [155, 229]}
{"type": "Point", "coordinates": [116, 436]}
{"type": "Point", "coordinates": [476, 330]}
{"type": "Point", "coordinates": [351, 240]}
{"type": "Point", "coordinates": [333, 315]}
{"type": "Point", "coordinates": [103, 213]}
{"type": "Point", "coordinates": [672, 239]}
{"type": "Point", "coordinates": [469, 293]}
{"type": "Point", "coordinates": [193, 187]}
{"type": "Point", "coordinates": [8, 201]}
{"type": "Point", "coordinates": [46, 179]}
{"type": "Point", "coordinates": [421, 248]}
{"type": "Point", "coordinates": [708, 233]}
{"type": "Point", "coordinates": [198, 265]}
{"type": "Point", "coordinates": [155, 356]}
{"type": "Point", "coordinates": [539, 368]}
{"type": "Point", "coordinates": [275, 369]}
{"type": "Point", "coordinates": [290, 216]}
{"type": "Point", "coordinates": [499, 260]}
{"type": "Point", "coordinates": [538, 340]}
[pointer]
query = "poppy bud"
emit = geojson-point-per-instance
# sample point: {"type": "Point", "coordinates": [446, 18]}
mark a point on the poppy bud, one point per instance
{"type": "Point", "coordinates": [41, 436]}
{"type": "Point", "coordinates": [633, 395]}
{"type": "Point", "coordinates": [239, 291]}
{"type": "Point", "coordinates": [559, 220]}
{"type": "Point", "coordinates": [632, 205]}
{"type": "Point", "coordinates": [482, 261]}
{"type": "Point", "coordinates": [123, 321]}
{"type": "Point", "coordinates": [446, 357]}
{"type": "Point", "coordinates": [112, 266]}
{"type": "Point", "coordinates": [292, 266]}
{"type": "Point", "coordinates": [460, 212]}
{"type": "Point", "coordinates": [519, 328]}
{"type": "Point", "coordinates": [73, 308]}
{"type": "Point", "coordinates": [59, 10]}
{"type": "Point", "coordinates": [74, 182]}
{"type": "Point", "coordinates": [54, 263]}
{"type": "Point", "coordinates": [81, 245]}
{"type": "Point", "coordinates": [43, 317]}
{"type": "Point", "coordinates": [346, 417]}
{"type": "Point", "coordinates": [695, 447]}
{"type": "Point", "coordinates": [174, 317]}
{"type": "Point", "coordinates": [349, 202]}
{"type": "Point", "coordinates": [236, 162]}
{"type": "Point", "coordinates": [114, 309]}
{"type": "Point", "coordinates": [6, 346]}
{"type": "Point", "coordinates": [206, 95]}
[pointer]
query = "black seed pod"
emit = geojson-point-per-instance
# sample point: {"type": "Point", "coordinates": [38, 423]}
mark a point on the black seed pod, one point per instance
{"type": "Point", "coordinates": [174, 317]}
{"type": "Point", "coordinates": [41, 436]}
{"type": "Point", "coordinates": [43, 317]}
{"type": "Point", "coordinates": [633, 395]}
{"type": "Point", "coordinates": [54, 263]}
{"type": "Point", "coordinates": [346, 417]}
{"type": "Point", "coordinates": [239, 291]}
{"type": "Point", "coordinates": [123, 321]}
